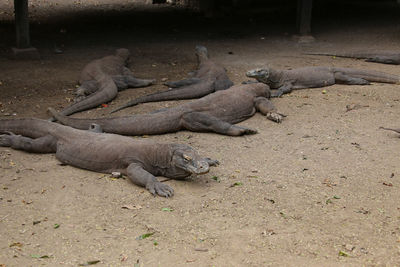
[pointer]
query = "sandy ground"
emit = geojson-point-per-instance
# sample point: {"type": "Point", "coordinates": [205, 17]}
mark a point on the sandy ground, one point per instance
{"type": "Point", "coordinates": [319, 189]}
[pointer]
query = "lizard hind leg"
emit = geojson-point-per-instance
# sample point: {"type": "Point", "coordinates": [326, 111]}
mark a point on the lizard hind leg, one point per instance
{"type": "Point", "coordinates": [135, 82]}
{"type": "Point", "coordinates": [181, 83]}
{"type": "Point", "coordinates": [384, 60]}
{"type": "Point", "coordinates": [86, 88]}
{"type": "Point", "coordinates": [200, 122]}
{"type": "Point", "coordinates": [346, 79]}
{"type": "Point", "coordinates": [44, 144]}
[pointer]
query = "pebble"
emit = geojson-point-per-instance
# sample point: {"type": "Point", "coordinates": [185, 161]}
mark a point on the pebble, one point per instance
{"type": "Point", "coordinates": [116, 175]}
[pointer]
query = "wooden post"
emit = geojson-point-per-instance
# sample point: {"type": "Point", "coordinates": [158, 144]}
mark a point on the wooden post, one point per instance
{"type": "Point", "coordinates": [304, 9]}
{"type": "Point", "coordinates": [22, 23]}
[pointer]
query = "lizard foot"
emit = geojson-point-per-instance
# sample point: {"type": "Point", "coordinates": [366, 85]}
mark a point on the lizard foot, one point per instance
{"type": "Point", "coordinates": [212, 162]}
{"type": "Point", "coordinates": [276, 93]}
{"type": "Point", "coordinates": [160, 189]}
{"type": "Point", "coordinates": [276, 117]}
{"type": "Point", "coordinates": [235, 130]}
{"type": "Point", "coordinates": [6, 139]}
{"type": "Point", "coordinates": [79, 98]}
{"type": "Point", "coordinates": [250, 82]}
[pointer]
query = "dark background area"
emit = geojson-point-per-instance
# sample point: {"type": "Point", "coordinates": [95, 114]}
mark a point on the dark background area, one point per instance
{"type": "Point", "coordinates": [101, 23]}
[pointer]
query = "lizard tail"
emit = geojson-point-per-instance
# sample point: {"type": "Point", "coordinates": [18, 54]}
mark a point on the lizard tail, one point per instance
{"type": "Point", "coordinates": [320, 53]}
{"type": "Point", "coordinates": [196, 90]}
{"type": "Point", "coordinates": [107, 92]}
{"type": "Point", "coordinates": [390, 129]}
{"type": "Point", "coordinates": [357, 55]}
{"type": "Point", "coordinates": [131, 103]}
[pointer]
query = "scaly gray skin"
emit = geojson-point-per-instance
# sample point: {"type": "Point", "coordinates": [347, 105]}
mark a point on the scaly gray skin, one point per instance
{"type": "Point", "coordinates": [310, 77]}
{"type": "Point", "coordinates": [385, 57]}
{"type": "Point", "coordinates": [210, 77]}
{"type": "Point", "coordinates": [101, 80]}
{"type": "Point", "coordinates": [140, 160]}
{"type": "Point", "coordinates": [390, 129]}
{"type": "Point", "coordinates": [216, 112]}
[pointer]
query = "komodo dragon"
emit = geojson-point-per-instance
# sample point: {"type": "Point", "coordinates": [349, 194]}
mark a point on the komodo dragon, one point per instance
{"type": "Point", "coordinates": [140, 160]}
{"type": "Point", "coordinates": [310, 77]}
{"type": "Point", "coordinates": [216, 112]}
{"type": "Point", "coordinates": [385, 57]}
{"type": "Point", "coordinates": [101, 80]}
{"type": "Point", "coordinates": [209, 77]}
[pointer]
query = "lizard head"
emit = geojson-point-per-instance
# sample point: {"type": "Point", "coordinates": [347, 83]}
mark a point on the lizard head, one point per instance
{"type": "Point", "coordinates": [201, 52]}
{"type": "Point", "coordinates": [123, 53]}
{"type": "Point", "coordinates": [260, 75]}
{"type": "Point", "coordinates": [187, 159]}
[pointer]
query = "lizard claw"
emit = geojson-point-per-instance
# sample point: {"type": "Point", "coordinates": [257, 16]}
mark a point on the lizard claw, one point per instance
{"type": "Point", "coordinates": [276, 117]}
{"type": "Point", "coordinates": [249, 131]}
{"type": "Point", "coordinates": [160, 189]}
{"type": "Point", "coordinates": [250, 82]}
{"type": "Point", "coordinates": [276, 93]}
{"type": "Point", "coordinates": [235, 130]}
{"type": "Point", "coordinates": [212, 162]}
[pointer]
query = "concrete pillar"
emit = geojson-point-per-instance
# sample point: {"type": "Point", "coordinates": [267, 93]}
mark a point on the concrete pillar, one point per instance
{"type": "Point", "coordinates": [22, 23]}
{"type": "Point", "coordinates": [23, 49]}
{"type": "Point", "coordinates": [304, 11]}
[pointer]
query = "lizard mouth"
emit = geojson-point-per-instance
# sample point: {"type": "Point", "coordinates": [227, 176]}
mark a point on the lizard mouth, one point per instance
{"type": "Point", "coordinates": [201, 168]}
{"type": "Point", "coordinates": [249, 74]}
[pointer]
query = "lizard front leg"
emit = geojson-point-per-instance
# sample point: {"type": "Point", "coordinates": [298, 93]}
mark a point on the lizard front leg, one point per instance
{"type": "Point", "coordinates": [141, 177]}
{"type": "Point", "coordinates": [284, 89]}
{"type": "Point", "coordinates": [267, 108]}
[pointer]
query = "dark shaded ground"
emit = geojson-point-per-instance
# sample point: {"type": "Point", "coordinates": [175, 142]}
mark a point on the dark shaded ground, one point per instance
{"type": "Point", "coordinates": [320, 189]}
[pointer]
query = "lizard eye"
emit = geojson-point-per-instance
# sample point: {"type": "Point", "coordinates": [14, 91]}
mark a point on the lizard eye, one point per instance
{"type": "Point", "coordinates": [186, 157]}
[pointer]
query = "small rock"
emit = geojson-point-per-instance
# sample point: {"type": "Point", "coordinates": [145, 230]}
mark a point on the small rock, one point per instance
{"type": "Point", "coordinates": [164, 79]}
{"type": "Point", "coordinates": [349, 247]}
{"type": "Point", "coordinates": [116, 175]}
{"type": "Point", "coordinates": [58, 51]}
